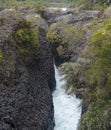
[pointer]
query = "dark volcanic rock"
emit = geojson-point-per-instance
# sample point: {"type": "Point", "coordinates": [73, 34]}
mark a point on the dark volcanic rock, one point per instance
{"type": "Point", "coordinates": [47, 60]}
{"type": "Point", "coordinates": [25, 96]}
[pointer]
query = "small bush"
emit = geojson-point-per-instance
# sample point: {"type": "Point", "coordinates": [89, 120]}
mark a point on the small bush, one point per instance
{"type": "Point", "coordinates": [26, 37]}
{"type": "Point", "coordinates": [75, 73]}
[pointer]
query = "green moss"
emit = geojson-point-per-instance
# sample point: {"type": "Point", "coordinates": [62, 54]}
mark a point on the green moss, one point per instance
{"type": "Point", "coordinates": [31, 19]}
{"type": "Point", "coordinates": [60, 50]}
{"type": "Point", "coordinates": [26, 37]}
{"type": "Point", "coordinates": [1, 57]}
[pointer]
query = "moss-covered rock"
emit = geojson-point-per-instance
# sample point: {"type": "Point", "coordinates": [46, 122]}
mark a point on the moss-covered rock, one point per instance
{"type": "Point", "coordinates": [67, 39]}
{"type": "Point", "coordinates": [26, 37]}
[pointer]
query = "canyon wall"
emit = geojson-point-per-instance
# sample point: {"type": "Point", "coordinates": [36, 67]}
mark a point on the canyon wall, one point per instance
{"type": "Point", "coordinates": [26, 72]}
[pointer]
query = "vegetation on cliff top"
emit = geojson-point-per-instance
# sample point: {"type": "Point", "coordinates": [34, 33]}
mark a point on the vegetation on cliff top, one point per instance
{"type": "Point", "coordinates": [41, 4]}
{"type": "Point", "coordinates": [90, 4]}
{"type": "Point", "coordinates": [92, 71]}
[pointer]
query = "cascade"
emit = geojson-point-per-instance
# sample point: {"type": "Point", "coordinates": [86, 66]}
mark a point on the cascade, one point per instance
{"type": "Point", "coordinates": [66, 107]}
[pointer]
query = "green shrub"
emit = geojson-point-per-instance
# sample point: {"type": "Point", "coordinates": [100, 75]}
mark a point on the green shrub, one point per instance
{"type": "Point", "coordinates": [90, 4]}
{"type": "Point", "coordinates": [26, 37]}
{"type": "Point", "coordinates": [99, 51]}
{"type": "Point", "coordinates": [75, 73]}
{"type": "Point", "coordinates": [97, 116]}
{"type": "Point", "coordinates": [53, 35]}
{"type": "Point", "coordinates": [1, 57]}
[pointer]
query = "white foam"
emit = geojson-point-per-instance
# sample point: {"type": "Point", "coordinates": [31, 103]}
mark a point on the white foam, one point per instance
{"type": "Point", "coordinates": [66, 107]}
{"type": "Point", "coordinates": [56, 8]}
{"type": "Point", "coordinates": [64, 9]}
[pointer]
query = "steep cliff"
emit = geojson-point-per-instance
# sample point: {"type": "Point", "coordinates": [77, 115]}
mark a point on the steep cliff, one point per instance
{"type": "Point", "coordinates": [26, 73]}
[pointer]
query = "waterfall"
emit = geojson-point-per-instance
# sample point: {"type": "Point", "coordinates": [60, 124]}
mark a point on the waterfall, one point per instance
{"type": "Point", "coordinates": [66, 107]}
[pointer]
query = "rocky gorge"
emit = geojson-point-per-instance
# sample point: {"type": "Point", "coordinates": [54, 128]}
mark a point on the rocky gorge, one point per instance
{"type": "Point", "coordinates": [81, 39]}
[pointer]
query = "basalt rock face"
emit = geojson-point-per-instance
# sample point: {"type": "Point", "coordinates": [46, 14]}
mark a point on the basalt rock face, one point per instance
{"type": "Point", "coordinates": [25, 87]}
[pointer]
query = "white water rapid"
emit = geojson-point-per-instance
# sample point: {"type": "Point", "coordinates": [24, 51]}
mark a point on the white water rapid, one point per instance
{"type": "Point", "coordinates": [66, 107]}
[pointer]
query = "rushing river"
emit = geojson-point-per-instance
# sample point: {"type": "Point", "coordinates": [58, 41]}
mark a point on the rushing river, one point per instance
{"type": "Point", "coordinates": [66, 107]}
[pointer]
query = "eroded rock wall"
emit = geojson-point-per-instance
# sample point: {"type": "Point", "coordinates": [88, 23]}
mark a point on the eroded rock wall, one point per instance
{"type": "Point", "coordinates": [25, 87]}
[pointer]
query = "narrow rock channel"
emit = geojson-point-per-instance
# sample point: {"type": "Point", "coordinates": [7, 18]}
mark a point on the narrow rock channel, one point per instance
{"type": "Point", "coordinates": [66, 107]}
